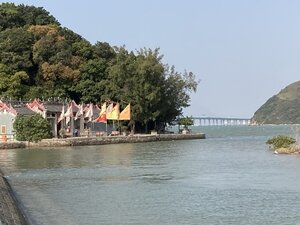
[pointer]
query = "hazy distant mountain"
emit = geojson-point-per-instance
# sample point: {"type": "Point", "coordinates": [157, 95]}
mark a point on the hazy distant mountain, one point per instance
{"type": "Point", "coordinates": [283, 108]}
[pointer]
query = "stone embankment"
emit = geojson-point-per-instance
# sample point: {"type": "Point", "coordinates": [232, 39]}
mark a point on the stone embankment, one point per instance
{"type": "Point", "coordinates": [103, 140]}
{"type": "Point", "coordinates": [10, 213]}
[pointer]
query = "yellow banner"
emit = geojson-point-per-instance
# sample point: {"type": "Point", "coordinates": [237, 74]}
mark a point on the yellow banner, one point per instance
{"type": "Point", "coordinates": [125, 114]}
{"type": "Point", "coordinates": [103, 109]}
{"type": "Point", "coordinates": [114, 114]}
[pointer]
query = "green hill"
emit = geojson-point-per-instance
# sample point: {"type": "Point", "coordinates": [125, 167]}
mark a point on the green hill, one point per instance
{"type": "Point", "coordinates": [283, 108]}
{"type": "Point", "coordinates": [41, 59]}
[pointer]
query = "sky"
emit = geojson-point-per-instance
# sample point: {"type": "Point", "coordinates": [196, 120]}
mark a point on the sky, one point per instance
{"type": "Point", "coordinates": [243, 52]}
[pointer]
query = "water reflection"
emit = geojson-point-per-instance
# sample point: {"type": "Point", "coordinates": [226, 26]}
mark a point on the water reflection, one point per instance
{"type": "Point", "coordinates": [75, 157]}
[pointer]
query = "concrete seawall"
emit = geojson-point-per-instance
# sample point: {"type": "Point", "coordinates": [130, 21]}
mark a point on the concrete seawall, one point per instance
{"type": "Point", "coordinates": [80, 141]}
{"type": "Point", "coordinates": [11, 212]}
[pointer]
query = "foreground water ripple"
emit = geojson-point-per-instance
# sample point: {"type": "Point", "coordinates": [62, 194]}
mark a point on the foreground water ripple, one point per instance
{"type": "Point", "coordinates": [229, 178]}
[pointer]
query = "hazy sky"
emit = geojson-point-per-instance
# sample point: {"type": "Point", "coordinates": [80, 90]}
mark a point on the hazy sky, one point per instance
{"type": "Point", "coordinates": [243, 51]}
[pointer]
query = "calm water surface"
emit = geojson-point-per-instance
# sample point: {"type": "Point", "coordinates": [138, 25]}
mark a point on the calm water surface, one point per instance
{"type": "Point", "coordinates": [229, 178]}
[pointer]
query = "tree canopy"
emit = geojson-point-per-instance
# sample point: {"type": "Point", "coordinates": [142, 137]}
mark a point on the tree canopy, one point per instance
{"type": "Point", "coordinates": [41, 59]}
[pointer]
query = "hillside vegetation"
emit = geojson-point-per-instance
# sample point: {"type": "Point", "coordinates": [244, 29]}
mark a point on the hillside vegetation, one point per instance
{"type": "Point", "coordinates": [283, 108]}
{"type": "Point", "coordinates": [41, 59]}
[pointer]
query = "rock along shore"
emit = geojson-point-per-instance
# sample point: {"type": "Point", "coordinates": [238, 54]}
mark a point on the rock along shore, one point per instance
{"type": "Point", "coordinates": [103, 140]}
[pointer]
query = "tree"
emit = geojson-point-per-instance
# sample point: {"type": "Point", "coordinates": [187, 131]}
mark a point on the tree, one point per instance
{"type": "Point", "coordinates": [12, 84]}
{"type": "Point", "coordinates": [186, 121]}
{"type": "Point", "coordinates": [15, 45]}
{"type": "Point", "coordinates": [18, 16]}
{"type": "Point", "coordinates": [104, 50]}
{"type": "Point", "coordinates": [92, 81]}
{"type": "Point", "coordinates": [32, 128]}
{"type": "Point", "coordinates": [176, 91]}
{"type": "Point", "coordinates": [156, 92]}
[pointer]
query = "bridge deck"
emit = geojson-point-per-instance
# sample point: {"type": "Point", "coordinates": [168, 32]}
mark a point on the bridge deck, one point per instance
{"type": "Point", "coordinates": [214, 121]}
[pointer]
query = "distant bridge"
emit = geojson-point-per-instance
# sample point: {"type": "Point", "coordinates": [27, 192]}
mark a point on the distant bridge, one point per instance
{"type": "Point", "coordinates": [219, 121]}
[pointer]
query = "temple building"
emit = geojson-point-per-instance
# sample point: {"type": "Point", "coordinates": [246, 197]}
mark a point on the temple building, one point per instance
{"type": "Point", "coordinates": [71, 118]}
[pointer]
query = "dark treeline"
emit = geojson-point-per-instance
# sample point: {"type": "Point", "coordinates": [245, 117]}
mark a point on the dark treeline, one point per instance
{"type": "Point", "coordinates": [41, 59]}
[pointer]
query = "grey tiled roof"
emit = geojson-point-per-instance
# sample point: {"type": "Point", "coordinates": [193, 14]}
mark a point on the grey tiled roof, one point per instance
{"type": "Point", "coordinates": [23, 110]}
{"type": "Point", "coordinates": [54, 107]}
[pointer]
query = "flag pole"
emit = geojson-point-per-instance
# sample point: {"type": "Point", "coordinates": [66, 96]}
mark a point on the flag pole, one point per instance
{"type": "Point", "coordinates": [106, 128]}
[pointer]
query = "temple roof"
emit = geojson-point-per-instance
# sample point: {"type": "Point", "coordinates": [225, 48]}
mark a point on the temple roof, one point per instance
{"type": "Point", "coordinates": [23, 110]}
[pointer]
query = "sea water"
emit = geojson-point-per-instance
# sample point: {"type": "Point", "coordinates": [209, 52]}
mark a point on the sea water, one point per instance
{"type": "Point", "coordinates": [229, 178]}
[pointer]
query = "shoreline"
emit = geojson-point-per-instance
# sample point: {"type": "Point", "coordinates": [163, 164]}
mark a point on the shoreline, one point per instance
{"type": "Point", "coordinates": [102, 140]}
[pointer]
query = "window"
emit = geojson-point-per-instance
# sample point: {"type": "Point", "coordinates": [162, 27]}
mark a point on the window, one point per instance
{"type": "Point", "coordinates": [3, 129]}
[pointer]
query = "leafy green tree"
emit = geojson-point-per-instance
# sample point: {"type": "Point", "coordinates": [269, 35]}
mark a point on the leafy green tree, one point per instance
{"type": "Point", "coordinates": [32, 15]}
{"type": "Point", "coordinates": [156, 92]}
{"type": "Point", "coordinates": [120, 73]}
{"type": "Point", "coordinates": [12, 84]}
{"type": "Point", "coordinates": [186, 121]}
{"type": "Point", "coordinates": [148, 83]}
{"type": "Point", "coordinates": [32, 128]}
{"type": "Point", "coordinates": [104, 50]}
{"type": "Point", "coordinates": [15, 45]}
{"type": "Point", "coordinates": [18, 16]}
{"type": "Point", "coordinates": [92, 80]}
{"type": "Point", "coordinates": [83, 49]}
{"type": "Point", "coordinates": [176, 91]}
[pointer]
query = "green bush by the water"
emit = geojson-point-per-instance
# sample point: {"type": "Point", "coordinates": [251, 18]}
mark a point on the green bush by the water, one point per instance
{"type": "Point", "coordinates": [281, 141]}
{"type": "Point", "coordinates": [32, 128]}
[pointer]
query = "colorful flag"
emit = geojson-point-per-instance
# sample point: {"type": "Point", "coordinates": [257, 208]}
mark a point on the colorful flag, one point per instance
{"type": "Point", "coordinates": [103, 109]}
{"type": "Point", "coordinates": [62, 114]}
{"type": "Point", "coordinates": [101, 119]}
{"type": "Point", "coordinates": [89, 111]}
{"type": "Point", "coordinates": [79, 112]}
{"type": "Point", "coordinates": [69, 113]}
{"type": "Point", "coordinates": [102, 115]}
{"type": "Point", "coordinates": [115, 112]}
{"type": "Point", "coordinates": [110, 108]}
{"type": "Point", "coordinates": [73, 103]}
{"type": "Point", "coordinates": [125, 114]}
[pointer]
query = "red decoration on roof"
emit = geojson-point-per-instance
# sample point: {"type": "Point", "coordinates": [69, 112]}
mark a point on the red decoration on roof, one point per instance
{"type": "Point", "coordinates": [37, 107]}
{"type": "Point", "coordinates": [5, 108]}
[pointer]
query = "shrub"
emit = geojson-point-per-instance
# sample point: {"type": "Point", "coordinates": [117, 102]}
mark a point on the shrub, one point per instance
{"type": "Point", "coordinates": [32, 128]}
{"type": "Point", "coordinates": [281, 141]}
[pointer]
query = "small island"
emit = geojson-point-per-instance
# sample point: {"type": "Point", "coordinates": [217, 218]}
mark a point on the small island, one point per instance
{"type": "Point", "coordinates": [283, 144]}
